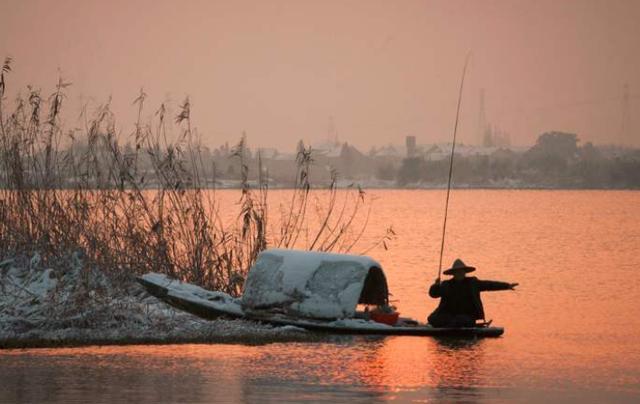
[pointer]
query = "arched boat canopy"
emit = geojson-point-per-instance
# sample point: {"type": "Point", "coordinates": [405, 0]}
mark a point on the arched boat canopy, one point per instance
{"type": "Point", "coordinates": [313, 284]}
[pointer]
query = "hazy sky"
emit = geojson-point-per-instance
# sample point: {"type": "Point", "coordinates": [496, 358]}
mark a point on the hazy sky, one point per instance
{"type": "Point", "coordinates": [382, 69]}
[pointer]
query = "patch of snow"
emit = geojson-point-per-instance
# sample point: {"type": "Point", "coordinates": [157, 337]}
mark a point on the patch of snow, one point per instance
{"type": "Point", "coordinates": [43, 283]}
{"type": "Point", "coordinates": [217, 300]}
{"type": "Point", "coordinates": [73, 304]}
{"type": "Point", "coordinates": [305, 283]}
{"type": "Point", "coordinates": [292, 328]}
{"type": "Point", "coordinates": [358, 323]}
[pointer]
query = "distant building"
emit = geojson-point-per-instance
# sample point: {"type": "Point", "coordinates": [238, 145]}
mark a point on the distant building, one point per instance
{"type": "Point", "coordinates": [494, 137]}
{"type": "Point", "coordinates": [411, 146]}
{"type": "Point", "coordinates": [482, 121]}
{"type": "Point", "coordinates": [436, 152]}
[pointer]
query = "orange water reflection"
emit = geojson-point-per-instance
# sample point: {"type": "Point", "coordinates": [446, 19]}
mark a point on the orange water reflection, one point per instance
{"type": "Point", "coordinates": [375, 368]}
{"type": "Point", "coordinates": [413, 362]}
{"type": "Point", "coordinates": [572, 328]}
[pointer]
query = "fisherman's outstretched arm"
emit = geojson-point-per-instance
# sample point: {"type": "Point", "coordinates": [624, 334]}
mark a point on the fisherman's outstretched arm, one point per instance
{"type": "Point", "coordinates": [495, 285]}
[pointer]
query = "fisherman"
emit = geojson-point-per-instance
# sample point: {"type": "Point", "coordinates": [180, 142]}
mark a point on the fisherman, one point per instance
{"type": "Point", "coordinates": [460, 304]}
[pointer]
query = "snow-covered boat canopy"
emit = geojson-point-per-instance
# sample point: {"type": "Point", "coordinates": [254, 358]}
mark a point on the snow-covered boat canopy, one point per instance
{"type": "Point", "coordinates": [313, 284]}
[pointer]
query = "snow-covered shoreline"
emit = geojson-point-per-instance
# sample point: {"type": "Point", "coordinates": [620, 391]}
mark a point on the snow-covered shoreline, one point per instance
{"type": "Point", "coordinates": [75, 306]}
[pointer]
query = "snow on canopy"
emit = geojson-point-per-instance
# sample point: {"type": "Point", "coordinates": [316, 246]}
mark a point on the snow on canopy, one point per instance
{"type": "Point", "coordinates": [313, 284]}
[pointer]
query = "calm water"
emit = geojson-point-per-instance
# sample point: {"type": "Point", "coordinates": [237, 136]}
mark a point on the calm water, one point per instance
{"type": "Point", "coordinates": [572, 328]}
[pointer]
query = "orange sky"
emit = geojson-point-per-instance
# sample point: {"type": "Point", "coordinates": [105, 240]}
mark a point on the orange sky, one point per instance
{"type": "Point", "coordinates": [382, 69]}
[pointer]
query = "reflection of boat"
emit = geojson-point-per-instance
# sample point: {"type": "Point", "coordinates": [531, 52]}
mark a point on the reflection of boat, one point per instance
{"type": "Point", "coordinates": [312, 290]}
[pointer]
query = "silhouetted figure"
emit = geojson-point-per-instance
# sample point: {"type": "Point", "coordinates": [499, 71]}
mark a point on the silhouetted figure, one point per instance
{"type": "Point", "coordinates": [460, 304]}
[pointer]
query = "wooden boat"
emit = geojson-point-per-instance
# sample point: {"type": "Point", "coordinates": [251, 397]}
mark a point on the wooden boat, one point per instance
{"type": "Point", "coordinates": [314, 291]}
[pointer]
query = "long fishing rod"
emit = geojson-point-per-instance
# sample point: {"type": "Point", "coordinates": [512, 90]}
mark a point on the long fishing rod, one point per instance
{"type": "Point", "coordinates": [453, 148]}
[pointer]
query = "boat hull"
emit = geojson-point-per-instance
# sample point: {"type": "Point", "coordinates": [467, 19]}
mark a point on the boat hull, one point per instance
{"type": "Point", "coordinates": [214, 305]}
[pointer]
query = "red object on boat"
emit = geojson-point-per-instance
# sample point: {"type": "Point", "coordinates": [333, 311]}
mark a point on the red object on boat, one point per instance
{"type": "Point", "coordinates": [385, 318]}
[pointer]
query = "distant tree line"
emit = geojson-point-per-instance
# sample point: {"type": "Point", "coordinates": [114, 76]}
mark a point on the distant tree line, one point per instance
{"type": "Point", "coordinates": [555, 161]}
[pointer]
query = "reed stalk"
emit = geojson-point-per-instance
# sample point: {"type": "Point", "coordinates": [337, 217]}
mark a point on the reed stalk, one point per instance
{"type": "Point", "coordinates": [130, 206]}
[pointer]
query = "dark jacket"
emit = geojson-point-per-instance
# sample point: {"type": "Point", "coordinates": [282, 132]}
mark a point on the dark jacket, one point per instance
{"type": "Point", "coordinates": [463, 297]}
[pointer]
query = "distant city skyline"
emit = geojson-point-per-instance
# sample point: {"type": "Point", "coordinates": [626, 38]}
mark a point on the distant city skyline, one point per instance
{"type": "Point", "coordinates": [370, 72]}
